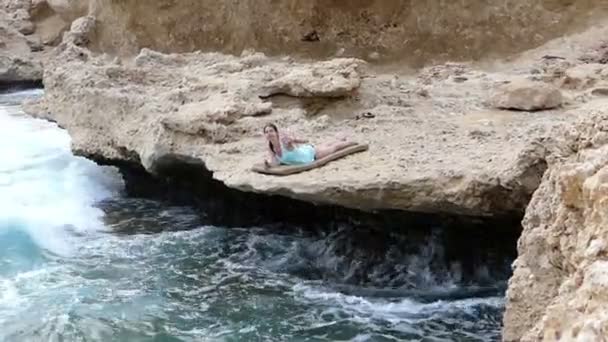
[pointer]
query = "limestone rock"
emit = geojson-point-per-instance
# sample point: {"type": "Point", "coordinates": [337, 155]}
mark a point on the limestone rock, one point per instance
{"type": "Point", "coordinates": [45, 20]}
{"type": "Point", "coordinates": [69, 10]}
{"type": "Point", "coordinates": [26, 27]}
{"type": "Point", "coordinates": [15, 5]}
{"type": "Point", "coordinates": [15, 14]}
{"type": "Point", "coordinates": [326, 79]}
{"type": "Point", "coordinates": [526, 95]}
{"type": "Point", "coordinates": [52, 22]}
{"type": "Point", "coordinates": [17, 69]}
{"type": "Point", "coordinates": [361, 28]}
{"type": "Point", "coordinates": [198, 105]}
{"type": "Point", "coordinates": [386, 29]}
{"type": "Point", "coordinates": [206, 117]}
{"type": "Point", "coordinates": [81, 31]}
{"type": "Point", "coordinates": [17, 61]}
{"type": "Point", "coordinates": [19, 19]}
{"type": "Point", "coordinates": [582, 76]}
{"type": "Point", "coordinates": [13, 42]}
{"type": "Point", "coordinates": [559, 290]}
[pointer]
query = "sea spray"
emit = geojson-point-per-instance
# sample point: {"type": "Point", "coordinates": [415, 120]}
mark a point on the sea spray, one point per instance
{"type": "Point", "coordinates": [45, 191]}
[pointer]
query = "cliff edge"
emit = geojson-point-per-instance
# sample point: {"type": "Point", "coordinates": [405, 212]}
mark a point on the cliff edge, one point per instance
{"type": "Point", "coordinates": [444, 139]}
{"type": "Point", "coordinates": [559, 289]}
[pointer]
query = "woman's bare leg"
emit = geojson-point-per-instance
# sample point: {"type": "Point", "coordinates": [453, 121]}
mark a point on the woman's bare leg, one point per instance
{"type": "Point", "coordinates": [324, 150]}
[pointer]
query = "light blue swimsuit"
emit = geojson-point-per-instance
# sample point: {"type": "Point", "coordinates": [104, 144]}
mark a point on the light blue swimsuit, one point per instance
{"type": "Point", "coordinates": [303, 154]}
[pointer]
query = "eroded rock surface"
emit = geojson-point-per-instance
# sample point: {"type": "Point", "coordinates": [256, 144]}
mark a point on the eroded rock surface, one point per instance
{"type": "Point", "coordinates": [19, 60]}
{"type": "Point", "coordinates": [414, 31]}
{"type": "Point", "coordinates": [435, 144]}
{"type": "Point", "coordinates": [17, 69]}
{"type": "Point", "coordinates": [559, 291]}
{"type": "Point", "coordinates": [377, 30]}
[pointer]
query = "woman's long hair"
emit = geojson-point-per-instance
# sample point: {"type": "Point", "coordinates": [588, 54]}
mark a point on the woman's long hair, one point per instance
{"type": "Point", "coordinates": [274, 127]}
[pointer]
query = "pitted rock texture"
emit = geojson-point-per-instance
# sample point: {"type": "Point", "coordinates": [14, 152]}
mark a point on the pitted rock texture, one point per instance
{"type": "Point", "coordinates": [559, 291]}
{"type": "Point", "coordinates": [16, 69]}
{"type": "Point", "coordinates": [435, 143]}
{"type": "Point", "coordinates": [19, 47]}
{"type": "Point", "coordinates": [416, 32]}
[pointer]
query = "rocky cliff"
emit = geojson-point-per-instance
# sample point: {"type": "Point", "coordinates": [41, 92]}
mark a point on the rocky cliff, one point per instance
{"type": "Point", "coordinates": [417, 32]}
{"type": "Point", "coordinates": [17, 47]}
{"type": "Point", "coordinates": [560, 287]}
{"type": "Point", "coordinates": [413, 31]}
{"type": "Point", "coordinates": [460, 137]}
{"type": "Point", "coordinates": [437, 143]}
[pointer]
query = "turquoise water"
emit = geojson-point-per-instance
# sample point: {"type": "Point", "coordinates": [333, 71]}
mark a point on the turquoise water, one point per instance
{"type": "Point", "coordinates": [81, 262]}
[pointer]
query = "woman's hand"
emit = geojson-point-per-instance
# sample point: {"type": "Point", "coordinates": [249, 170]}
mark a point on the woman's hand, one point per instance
{"type": "Point", "coordinates": [287, 142]}
{"type": "Point", "coordinates": [290, 142]}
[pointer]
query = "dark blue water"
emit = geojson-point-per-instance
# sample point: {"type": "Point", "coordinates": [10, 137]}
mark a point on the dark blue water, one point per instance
{"type": "Point", "coordinates": [80, 262]}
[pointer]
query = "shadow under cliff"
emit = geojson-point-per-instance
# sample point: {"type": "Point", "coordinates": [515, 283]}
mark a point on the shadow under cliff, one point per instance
{"type": "Point", "coordinates": [482, 248]}
{"type": "Point", "coordinates": [15, 86]}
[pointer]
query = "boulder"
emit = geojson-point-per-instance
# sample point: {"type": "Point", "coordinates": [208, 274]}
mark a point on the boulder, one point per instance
{"type": "Point", "coordinates": [326, 79]}
{"type": "Point", "coordinates": [81, 31]}
{"type": "Point", "coordinates": [526, 95]}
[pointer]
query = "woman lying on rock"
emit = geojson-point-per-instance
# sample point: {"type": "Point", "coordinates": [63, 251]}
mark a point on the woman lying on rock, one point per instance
{"type": "Point", "coordinates": [286, 150]}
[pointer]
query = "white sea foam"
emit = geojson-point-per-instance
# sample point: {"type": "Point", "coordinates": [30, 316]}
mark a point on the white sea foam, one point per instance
{"type": "Point", "coordinates": [44, 189]}
{"type": "Point", "coordinates": [404, 309]}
